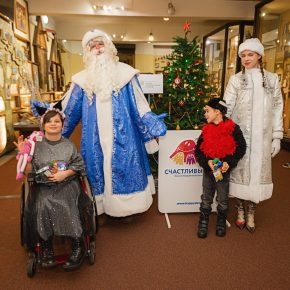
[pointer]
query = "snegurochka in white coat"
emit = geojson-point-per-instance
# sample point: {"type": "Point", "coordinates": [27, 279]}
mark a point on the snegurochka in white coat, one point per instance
{"type": "Point", "coordinates": [255, 103]}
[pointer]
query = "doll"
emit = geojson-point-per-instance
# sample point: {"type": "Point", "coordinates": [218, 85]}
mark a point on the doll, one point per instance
{"type": "Point", "coordinates": [26, 152]}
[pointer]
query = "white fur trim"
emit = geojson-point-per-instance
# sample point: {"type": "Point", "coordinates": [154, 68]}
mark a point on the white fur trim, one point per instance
{"type": "Point", "coordinates": [151, 146]}
{"type": "Point", "coordinates": [120, 205]}
{"type": "Point", "coordinates": [91, 35]}
{"type": "Point", "coordinates": [151, 184]}
{"type": "Point", "coordinates": [124, 74]}
{"type": "Point", "coordinates": [278, 135]}
{"type": "Point", "coordinates": [253, 192]}
{"type": "Point", "coordinates": [252, 44]}
{"type": "Point", "coordinates": [141, 101]}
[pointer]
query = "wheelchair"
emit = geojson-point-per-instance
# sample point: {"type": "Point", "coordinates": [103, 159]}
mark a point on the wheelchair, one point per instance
{"type": "Point", "coordinates": [89, 218]}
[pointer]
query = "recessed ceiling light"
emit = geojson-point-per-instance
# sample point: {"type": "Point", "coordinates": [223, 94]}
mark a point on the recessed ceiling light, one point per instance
{"type": "Point", "coordinates": [165, 18]}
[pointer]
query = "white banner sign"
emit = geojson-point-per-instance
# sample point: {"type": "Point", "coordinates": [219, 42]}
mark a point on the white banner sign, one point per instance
{"type": "Point", "coordinates": [151, 83]}
{"type": "Point", "coordinates": [179, 175]}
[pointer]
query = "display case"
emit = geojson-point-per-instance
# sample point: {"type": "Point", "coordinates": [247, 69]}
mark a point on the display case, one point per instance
{"type": "Point", "coordinates": [273, 29]}
{"type": "Point", "coordinates": [220, 52]}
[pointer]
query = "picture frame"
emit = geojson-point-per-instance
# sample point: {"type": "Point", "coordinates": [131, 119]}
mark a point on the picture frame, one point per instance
{"type": "Point", "coordinates": [21, 20]}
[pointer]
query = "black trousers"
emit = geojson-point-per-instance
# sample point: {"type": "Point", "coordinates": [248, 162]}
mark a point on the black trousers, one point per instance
{"type": "Point", "coordinates": [210, 186]}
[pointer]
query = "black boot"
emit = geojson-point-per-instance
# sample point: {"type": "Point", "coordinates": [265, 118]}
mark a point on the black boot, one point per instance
{"type": "Point", "coordinates": [203, 223]}
{"type": "Point", "coordinates": [48, 259]}
{"type": "Point", "coordinates": [77, 255]}
{"type": "Point", "coordinates": [221, 224]}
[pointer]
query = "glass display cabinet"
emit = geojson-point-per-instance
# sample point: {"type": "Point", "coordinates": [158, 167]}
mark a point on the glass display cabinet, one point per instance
{"type": "Point", "coordinates": [220, 49]}
{"type": "Point", "coordinates": [272, 27]}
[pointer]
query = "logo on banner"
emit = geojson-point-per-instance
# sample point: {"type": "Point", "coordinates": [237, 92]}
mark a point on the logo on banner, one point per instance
{"type": "Point", "coordinates": [184, 153]}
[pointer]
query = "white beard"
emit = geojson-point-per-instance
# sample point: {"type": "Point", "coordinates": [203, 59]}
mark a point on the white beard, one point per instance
{"type": "Point", "coordinates": [101, 72]}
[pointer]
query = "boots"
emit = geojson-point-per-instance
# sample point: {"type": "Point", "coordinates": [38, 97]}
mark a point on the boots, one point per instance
{"type": "Point", "coordinates": [203, 223]}
{"type": "Point", "coordinates": [48, 259]}
{"type": "Point", "coordinates": [240, 221]}
{"type": "Point", "coordinates": [251, 208]}
{"type": "Point", "coordinates": [77, 256]}
{"type": "Point", "coordinates": [221, 225]}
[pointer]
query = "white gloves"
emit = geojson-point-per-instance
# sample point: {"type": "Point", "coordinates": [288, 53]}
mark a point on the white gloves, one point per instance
{"type": "Point", "coordinates": [275, 147]}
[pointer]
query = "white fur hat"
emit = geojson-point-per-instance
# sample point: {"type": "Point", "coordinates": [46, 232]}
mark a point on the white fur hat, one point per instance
{"type": "Point", "coordinates": [91, 35]}
{"type": "Point", "coordinates": [252, 44]}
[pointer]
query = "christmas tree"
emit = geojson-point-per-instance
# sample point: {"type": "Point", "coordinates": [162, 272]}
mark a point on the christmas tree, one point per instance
{"type": "Point", "coordinates": [185, 85]}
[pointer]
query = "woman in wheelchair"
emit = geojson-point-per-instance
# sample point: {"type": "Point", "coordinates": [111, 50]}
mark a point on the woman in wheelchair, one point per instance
{"type": "Point", "coordinates": [54, 210]}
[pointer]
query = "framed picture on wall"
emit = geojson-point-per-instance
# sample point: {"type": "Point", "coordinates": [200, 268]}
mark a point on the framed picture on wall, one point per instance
{"type": "Point", "coordinates": [21, 21]}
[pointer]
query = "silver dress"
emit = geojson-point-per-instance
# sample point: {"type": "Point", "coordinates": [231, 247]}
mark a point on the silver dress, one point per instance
{"type": "Point", "coordinates": [54, 207]}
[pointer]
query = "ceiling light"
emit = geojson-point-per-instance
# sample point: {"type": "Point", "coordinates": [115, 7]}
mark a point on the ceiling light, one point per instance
{"type": "Point", "coordinates": [166, 18]}
{"type": "Point", "coordinates": [151, 37]}
{"type": "Point", "coordinates": [64, 40]}
{"type": "Point", "coordinates": [171, 8]}
{"type": "Point", "coordinates": [114, 35]}
{"type": "Point", "coordinates": [44, 19]}
{"type": "Point", "coordinates": [122, 8]}
{"type": "Point", "coordinates": [263, 14]}
{"type": "Point", "coordinates": [122, 36]}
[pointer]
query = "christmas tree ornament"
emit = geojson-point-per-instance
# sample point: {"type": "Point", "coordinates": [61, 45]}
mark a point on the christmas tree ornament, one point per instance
{"type": "Point", "coordinates": [177, 80]}
{"type": "Point", "coordinates": [181, 103]}
{"type": "Point", "coordinates": [198, 93]}
{"type": "Point", "coordinates": [177, 127]}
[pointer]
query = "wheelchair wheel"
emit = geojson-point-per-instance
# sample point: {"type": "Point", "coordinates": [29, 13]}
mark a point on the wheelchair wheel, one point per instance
{"type": "Point", "coordinates": [92, 253]}
{"type": "Point", "coordinates": [31, 267]}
